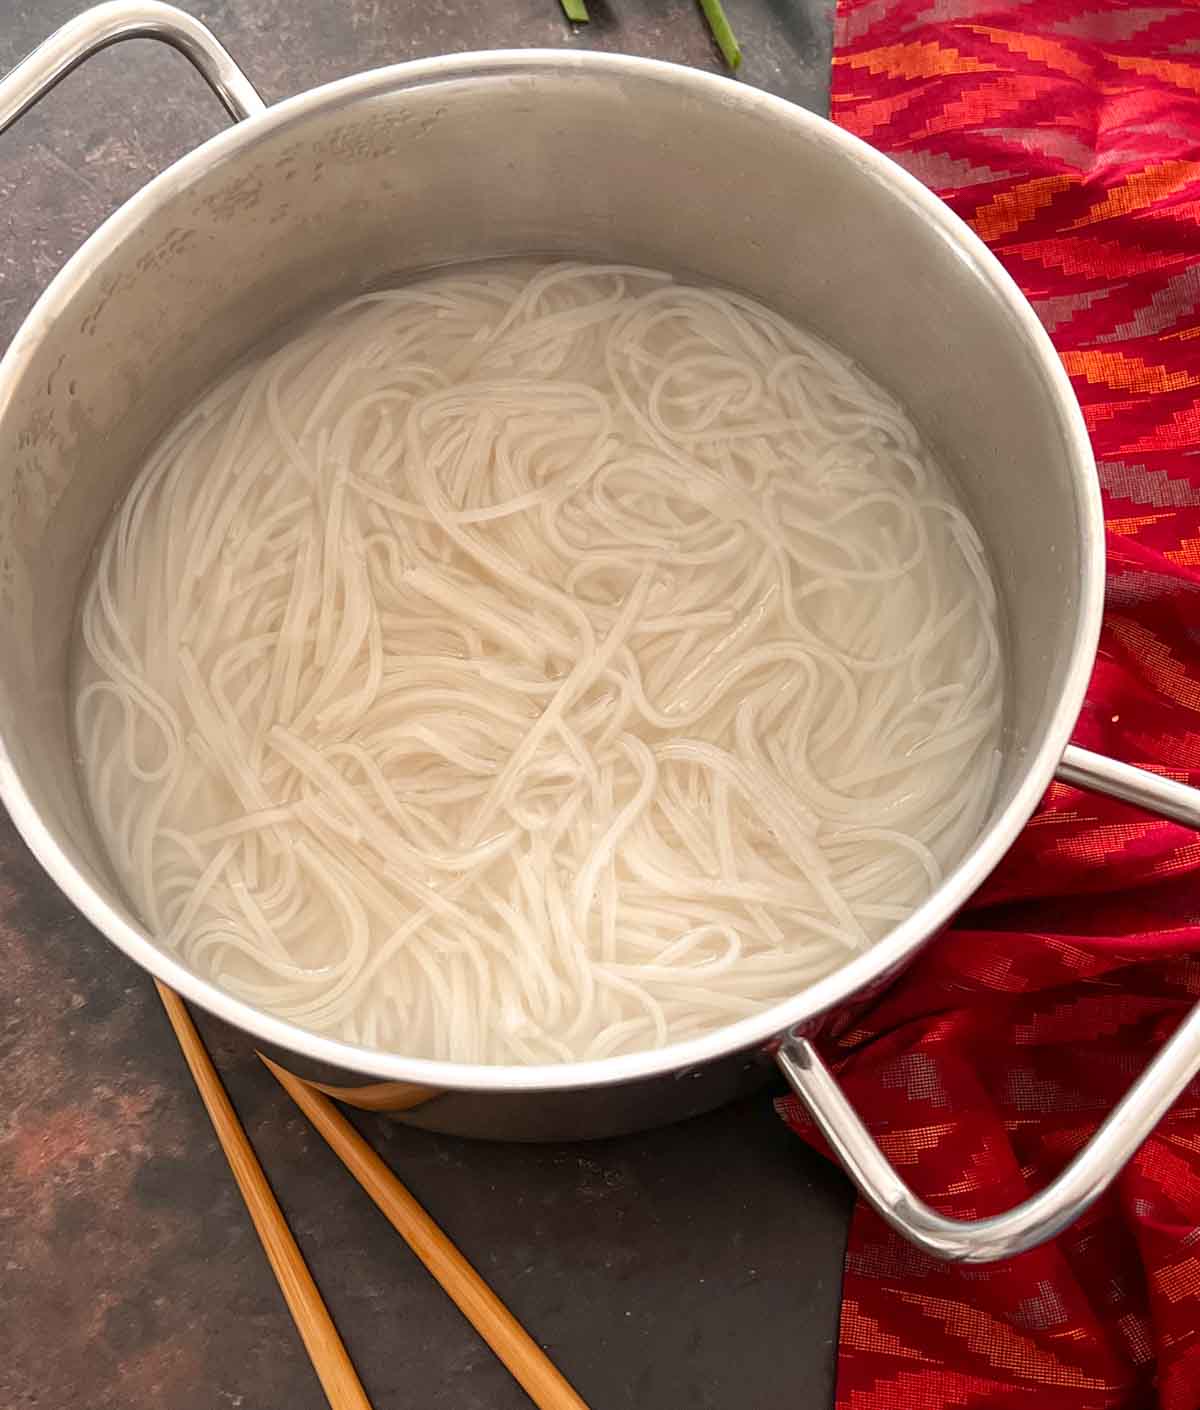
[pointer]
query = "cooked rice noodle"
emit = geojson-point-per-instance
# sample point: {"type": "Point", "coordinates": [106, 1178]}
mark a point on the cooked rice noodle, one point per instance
{"type": "Point", "coordinates": [534, 664]}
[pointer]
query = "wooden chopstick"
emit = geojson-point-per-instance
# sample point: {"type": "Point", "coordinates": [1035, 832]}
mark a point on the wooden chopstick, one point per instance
{"type": "Point", "coordinates": [529, 1364]}
{"type": "Point", "coordinates": [328, 1355]}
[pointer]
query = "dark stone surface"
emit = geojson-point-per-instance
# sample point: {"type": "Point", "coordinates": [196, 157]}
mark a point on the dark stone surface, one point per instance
{"type": "Point", "coordinates": [694, 1266]}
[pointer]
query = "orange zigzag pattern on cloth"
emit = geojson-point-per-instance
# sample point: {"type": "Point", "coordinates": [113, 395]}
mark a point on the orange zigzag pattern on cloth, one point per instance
{"type": "Point", "coordinates": [914, 61]}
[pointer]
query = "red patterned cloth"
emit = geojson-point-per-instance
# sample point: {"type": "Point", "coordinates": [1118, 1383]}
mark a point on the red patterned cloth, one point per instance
{"type": "Point", "coordinates": [1067, 132]}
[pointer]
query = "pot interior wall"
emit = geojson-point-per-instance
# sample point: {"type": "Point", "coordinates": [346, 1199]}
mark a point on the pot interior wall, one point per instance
{"type": "Point", "coordinates": [479, 158]}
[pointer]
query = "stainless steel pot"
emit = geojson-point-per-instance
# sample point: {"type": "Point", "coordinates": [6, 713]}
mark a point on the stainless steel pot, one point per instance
{"type": "Point", "coordinates": [477, 155]}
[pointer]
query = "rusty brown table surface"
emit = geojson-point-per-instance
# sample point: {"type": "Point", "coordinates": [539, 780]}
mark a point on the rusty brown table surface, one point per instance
{"type": "Point", "coordinates": [696, 1266]}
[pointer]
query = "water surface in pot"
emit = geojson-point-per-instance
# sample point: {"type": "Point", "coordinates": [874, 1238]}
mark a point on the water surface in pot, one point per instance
{"type": "Point", "coordinates": [536, 662]}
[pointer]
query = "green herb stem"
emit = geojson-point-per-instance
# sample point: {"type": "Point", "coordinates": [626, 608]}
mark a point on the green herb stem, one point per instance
{"type": "Point", "coordinates": [731, 50]}
{"type": "Point", "coordinates": [575, 11]}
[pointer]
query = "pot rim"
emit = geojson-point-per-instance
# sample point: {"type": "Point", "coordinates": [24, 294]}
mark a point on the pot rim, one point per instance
{"type": "Point", "coordinates": [872, 964]}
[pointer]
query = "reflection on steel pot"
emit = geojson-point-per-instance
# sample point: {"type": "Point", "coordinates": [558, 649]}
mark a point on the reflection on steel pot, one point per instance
{"type": "Point", "coordinates": [387, 173]}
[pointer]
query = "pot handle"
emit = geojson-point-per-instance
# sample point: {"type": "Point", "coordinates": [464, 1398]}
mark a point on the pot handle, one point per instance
{"type": "Point", "coordinates": [1045, 1214]}
{"type": "Point", "coordinates": [97, 28]}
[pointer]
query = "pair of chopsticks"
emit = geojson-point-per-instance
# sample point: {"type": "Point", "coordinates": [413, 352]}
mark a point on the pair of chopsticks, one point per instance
{"type": "Point", "coordinates": [542, 1382]}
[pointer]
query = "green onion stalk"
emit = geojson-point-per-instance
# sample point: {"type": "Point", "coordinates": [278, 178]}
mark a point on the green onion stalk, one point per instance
{"type": "Point", "coordinates": [722, 32]}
